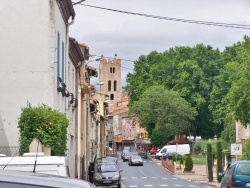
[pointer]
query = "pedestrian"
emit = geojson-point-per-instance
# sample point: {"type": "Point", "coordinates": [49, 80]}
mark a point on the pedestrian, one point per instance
{"type": "Point", "coordinates": [91, 171]}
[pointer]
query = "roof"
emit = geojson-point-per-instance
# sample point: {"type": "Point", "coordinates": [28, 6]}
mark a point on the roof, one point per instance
{"type": "Point", "coordinates": [43, 180]}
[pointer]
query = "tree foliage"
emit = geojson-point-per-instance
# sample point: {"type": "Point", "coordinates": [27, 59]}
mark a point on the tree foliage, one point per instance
{"type": "Point", "coordinates": [214, 83]}
{"type": "Point", "coordinates": [159, 106]}
{"type": "Point", "coordinates": [45, 124]}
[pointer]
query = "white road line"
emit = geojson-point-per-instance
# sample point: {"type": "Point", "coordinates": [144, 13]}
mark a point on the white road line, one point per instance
{"type": "Point", "coordinates": [163, 185]}
{"type": "Point", "coordinates": [124, 178]}
{"type": "Point", "coordinates": [154, 177]}
{"type": "Point", "coordinates": [133, 177]}
{"type": "Point", "coordinates": [148, 185]}
{"type": "Point", "coordinates": [178, 185]}
{"type": "Point", "coordinates": [133, 186]}
{"type": "Point", "coordinates": [144, 177]}
{"type": "Point", "coordinates": [164, 178]}
{"type": "Point", "coordinates": [192, 186]}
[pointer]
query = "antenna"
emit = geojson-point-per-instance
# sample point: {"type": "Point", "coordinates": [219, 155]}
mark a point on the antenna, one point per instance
{"type": "Point", "coordinates": [34, 170]}
{"type": "Point", "coordinates": [10, 160]}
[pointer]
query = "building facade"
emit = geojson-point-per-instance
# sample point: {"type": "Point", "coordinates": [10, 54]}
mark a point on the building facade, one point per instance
{"type": "Point", "coordinates": [36, 65]}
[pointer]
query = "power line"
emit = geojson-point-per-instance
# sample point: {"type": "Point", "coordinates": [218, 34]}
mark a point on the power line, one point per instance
{"type": "Point", "coordinates": [113, 58]}
{"type": "Point", "coordinates": [218, 24]}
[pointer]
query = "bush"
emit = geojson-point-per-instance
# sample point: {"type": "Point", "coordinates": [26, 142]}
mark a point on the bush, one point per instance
{"type": "Point", "coordinates": [188, 164]}
{"type": "Point", "coordinates": [219, 160]}
{"type": "Point", "coordinates": [209, 162]}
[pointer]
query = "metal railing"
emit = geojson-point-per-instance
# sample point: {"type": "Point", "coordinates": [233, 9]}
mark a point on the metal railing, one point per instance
{"type": "Point", "coordinates": [9, 150]}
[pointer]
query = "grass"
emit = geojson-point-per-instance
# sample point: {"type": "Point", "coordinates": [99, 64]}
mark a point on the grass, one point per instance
{"type": "Point", "coordinates": [199, 159]}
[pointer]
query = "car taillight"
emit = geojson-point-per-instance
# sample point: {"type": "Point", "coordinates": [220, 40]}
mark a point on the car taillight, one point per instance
{"type": "Point", "coordinates": [232, 184]}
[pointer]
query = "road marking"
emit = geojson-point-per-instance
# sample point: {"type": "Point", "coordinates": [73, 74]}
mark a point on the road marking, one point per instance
{"type": "Point", "coordinates": [134, 177]}
{"type": "Point", "coordinates": [133, 186]}
{"type": "Point", "coordinates": [154, 177]}
{"type": "Point", "coordinates": [164, 178]}
{"type": "Point", "coordinates": [144, 177]}
{"type": "Point", "coordinates": [178, 185]}
{"type": "Point", "coordinates": [148, 185]}
{"type": "Point", "coordinates": [163, 185]}
{"type": "Point", "coordinates": [124, 178]}
{"type": "Point", "coordinates": [192, 186]}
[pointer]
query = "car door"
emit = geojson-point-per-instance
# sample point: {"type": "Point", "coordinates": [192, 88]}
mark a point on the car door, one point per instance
{"type": "Point", "coordinates": [225, 182]}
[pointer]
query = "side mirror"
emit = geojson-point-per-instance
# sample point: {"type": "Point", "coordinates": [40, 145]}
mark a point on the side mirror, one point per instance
{"type": "Point", "coordinates": [221, 174]}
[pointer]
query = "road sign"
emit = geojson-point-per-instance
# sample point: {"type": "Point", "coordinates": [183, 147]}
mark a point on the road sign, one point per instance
{"type": "Point", "coordinates": [236, 149]}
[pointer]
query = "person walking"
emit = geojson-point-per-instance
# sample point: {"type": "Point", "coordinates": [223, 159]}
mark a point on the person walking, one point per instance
{"type": "Point", "coordinates": [91, 171]}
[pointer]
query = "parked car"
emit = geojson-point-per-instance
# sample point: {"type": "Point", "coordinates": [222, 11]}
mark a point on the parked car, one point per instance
{"type": "Point", "coordinates": [107, 174]}
{"type": "Point", "coordinates": [143, 154]}
{"type": "Point", "coordinates": [18, 179]}
{"type": "Point", "coordinates": [236, 175]}
{"type": "Point", "coordinates": [126, 156]}
{"type": "Point", "coordinates": [153, 151]}
{"type": "Point", "coordinates": [135, 160]}
{"type": "Point", "coordinates": [107, 159]}
{"type": "Point", "coordinates": [170, 155]}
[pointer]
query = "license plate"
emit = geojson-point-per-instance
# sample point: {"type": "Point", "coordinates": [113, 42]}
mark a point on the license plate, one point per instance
{"type": "Point", "coordinates": [247, 185]}
{"type": "Point", "coordinates": [106, 181]}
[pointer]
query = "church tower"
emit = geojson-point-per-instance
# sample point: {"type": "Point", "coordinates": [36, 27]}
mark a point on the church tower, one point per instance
{"type": "Point", "coordinates": [110, 74]}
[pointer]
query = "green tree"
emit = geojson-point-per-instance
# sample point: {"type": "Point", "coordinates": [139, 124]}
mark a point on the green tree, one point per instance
{"type": "Point", "coordinates": [188, 164]}
{"type": "Point", "coordinates": [219, 160]}
{"type": "Point", "coordinates": [246, 150]}
{"type": "Point", "coordinates": [159, 106]}
{"type": "Point", "coordinates": [209, 162]}
{"type": "Point", "coordinates": [45, 124]}
{"type": "Point", "coordinates": [162, 134]}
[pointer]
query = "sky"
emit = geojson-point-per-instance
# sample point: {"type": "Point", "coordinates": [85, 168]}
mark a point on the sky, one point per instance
{"type": "Point", "coordinates": [109, 28]}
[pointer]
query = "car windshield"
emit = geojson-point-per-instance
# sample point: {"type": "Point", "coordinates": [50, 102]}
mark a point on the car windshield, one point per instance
{"type": "Point", "coordinates": [243, 169]}
{"type": "Point", "coordinates": [106, 168]}
{"type": "Point", "coordinates": [135, 157]}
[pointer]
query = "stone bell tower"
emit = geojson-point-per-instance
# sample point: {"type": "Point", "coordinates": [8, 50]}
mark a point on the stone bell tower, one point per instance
{"type": "Point", "coordinates": [110, 74]}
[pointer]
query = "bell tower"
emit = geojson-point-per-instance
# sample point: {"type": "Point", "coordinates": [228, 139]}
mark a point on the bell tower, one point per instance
{"type": "Point", "coordinates": [110, 74]}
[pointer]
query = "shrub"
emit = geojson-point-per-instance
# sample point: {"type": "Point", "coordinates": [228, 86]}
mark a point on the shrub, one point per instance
{"type": "Point", "coordinates": [209, 162]}
{"type": "Point", "coordinates": [219, 160]}
{"type": "Point", "coordinates": [44, 124]}
{"type": "Point", "coordinates": [188, 164]}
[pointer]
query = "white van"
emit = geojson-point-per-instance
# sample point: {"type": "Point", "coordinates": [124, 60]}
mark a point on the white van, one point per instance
{"type": "Point", "coordinates": [55, 165]}
{"type": "Point", "coordinates": [183, 149]}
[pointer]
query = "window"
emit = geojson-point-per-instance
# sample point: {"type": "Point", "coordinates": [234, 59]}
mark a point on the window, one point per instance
{"type": "Point", "coordinates": [112, 97]}
{"type": "Point", "coordinates": [115, 82]}
{"type": "Point", "coordinates": [63, 63]}
{"type": "Point", "coordinates": [58, 55]}
{"type": "Point", "coordinates": [109, 85]}
{"type": "Point", "coordinates": [112, 70]}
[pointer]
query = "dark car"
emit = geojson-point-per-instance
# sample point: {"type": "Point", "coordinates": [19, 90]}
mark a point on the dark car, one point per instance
{"type": "Point", "coordinates": [143, 154]}
{"type": "Point", "coordinates": [17, 179]}
{"type": "Point", "coordinates": [153, 151]}
{"type": "Point", "coordinates": [135, 160]}
{"type": "Point", "coordinates": [126, 156]}
{"type": "Point", "coordinates": [236, 175]}
{"type": "Point", "coordinates": [171, 155]}
{"type": "Point", "coordinates": [123, 153]}
{"type": "Point", "coordinates": [107, 174]}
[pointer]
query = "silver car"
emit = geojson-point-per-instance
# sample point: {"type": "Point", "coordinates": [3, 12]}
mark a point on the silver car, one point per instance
{"type": "Point", "coordinates": [135, 160]}
{"type": "Point", "coordinates": [107, 174]}
{"type": "Point", "coordinates": [17, 179]}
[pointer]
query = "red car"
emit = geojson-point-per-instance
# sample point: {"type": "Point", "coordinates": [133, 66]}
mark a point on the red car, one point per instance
{"type": "Point", "coordinates": [153, 151]}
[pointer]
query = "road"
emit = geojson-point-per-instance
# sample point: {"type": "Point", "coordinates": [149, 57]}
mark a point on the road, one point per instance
{"type": "Point", "coordinates": [151, 174]}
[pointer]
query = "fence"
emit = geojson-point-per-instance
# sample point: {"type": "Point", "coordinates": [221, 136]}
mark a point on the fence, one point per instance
{"type": "Point", "coordinates": [9, 150]}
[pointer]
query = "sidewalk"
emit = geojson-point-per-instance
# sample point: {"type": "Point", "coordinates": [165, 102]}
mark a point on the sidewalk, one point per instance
{"type": "Point", "coordinates": [199, 175]}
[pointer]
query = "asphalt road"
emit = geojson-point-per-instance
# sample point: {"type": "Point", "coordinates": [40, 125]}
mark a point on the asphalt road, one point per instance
{"type": "Point", "coordinates": [151, 174]}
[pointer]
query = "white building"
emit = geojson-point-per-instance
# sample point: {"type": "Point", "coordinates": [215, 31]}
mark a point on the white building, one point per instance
{"type": "Point", "coordinates": [34, 53]}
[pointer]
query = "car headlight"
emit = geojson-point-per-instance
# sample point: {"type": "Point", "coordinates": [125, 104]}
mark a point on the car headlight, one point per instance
{"type": "Point", "coordinates": [97, 177]}
{"type": "Point", "coordinates": [116, 177]}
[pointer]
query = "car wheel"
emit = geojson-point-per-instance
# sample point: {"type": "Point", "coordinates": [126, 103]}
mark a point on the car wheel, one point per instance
{"type": "Point", "coordinates": [123, 160]}
{"type": "Point", "coordinates": [159, 157]}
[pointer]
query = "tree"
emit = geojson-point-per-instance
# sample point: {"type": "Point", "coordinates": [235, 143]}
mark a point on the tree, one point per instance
{"type": "Point", "coordinates": [161, 135]}
{"type": "Point", "coordinates": [159, 106]}
{"type": "Point", "coordinates": [209, 162]}
{"type": "Point", "coordinates": [219, 159]}
{"type": "Point", "coordinates": [45, 124]}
